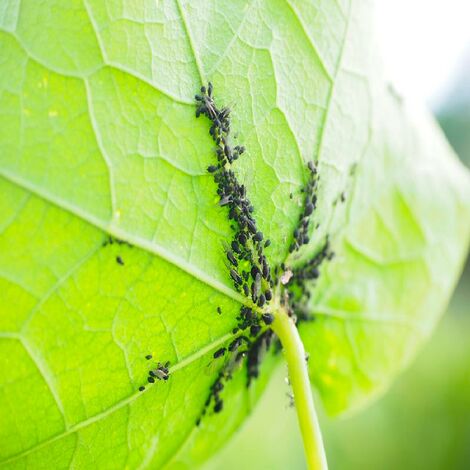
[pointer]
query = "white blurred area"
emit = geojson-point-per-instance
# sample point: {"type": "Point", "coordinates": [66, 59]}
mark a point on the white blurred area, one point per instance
{"type": "Point", "coordinates": [424, 44]}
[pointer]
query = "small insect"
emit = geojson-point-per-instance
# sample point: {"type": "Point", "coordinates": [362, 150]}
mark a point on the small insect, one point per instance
{"type": "Point", "coordinates": [261, 300]}
{"type": "Point", "coordinates": [268, 318]}
{"type": "Point", "coordinates": [242, 238]}
{"type": "Point", "coordinates": [219, 310]}
{"type": "Point", "coordinates": [235, 247]}
{"type": "Point", "coordinates": [235, 276]}
{"type": "Point", "coordinates": [232, 258]}
{"type": "Point", "coordinates": [308, 209]}
{"type": "Point", "coordinates": [258, 236]}
{"type": "Point", "coordinates": [265, 269]}
{"type": "Point", "coordinates": [150, 379]}
{"type": "Point", "coordinates": [162, 372]}
{"type": "Point", "coordinates": [251, 226]}
{"type": "Point", "coordinates": [212, 168]}
{"type": "Point", "coordinates": [148, 357]}
{"type": "Point", "coordinates": [219, 353]}
{"type": "Point", "coordinates": [268, 294]}
{"type": "Point", "coordinates": [267, 243]}
{"type": "Point", "coordinates": [255, 272]}
{"type": "Point", "coordinates": [286, 277]}
{"type": "Point", "coordinates": [235, 344]}
{"type": "Point", "coordinates": [254, 291]}
{"type": "Point", "coordinates": [290, 396]}
{"type": "Point", "coordinates": [119, 260]}
{"type": "Point", "coordinates": [254, 330]}
{"type": "Point", "coordinates": [141, 388]}
{"type": "Point", "coordinates": [218, 406]}
{"type": "Point", "coordinates": [225, 200]}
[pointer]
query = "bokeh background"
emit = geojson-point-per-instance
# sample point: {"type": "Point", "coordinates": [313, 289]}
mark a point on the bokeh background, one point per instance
{"type": "Point", "coordinates": [423, 421]}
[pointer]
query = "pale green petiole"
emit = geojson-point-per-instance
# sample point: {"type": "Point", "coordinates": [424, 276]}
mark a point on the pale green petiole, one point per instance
{"type": "Point", "coordinates": [294, 352]}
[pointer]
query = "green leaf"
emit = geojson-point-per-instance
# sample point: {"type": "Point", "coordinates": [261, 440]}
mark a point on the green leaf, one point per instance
{"type": "Point", "coordinates": [98, 137]}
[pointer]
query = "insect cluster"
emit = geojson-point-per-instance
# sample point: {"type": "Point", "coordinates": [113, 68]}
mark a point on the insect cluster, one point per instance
{"type": "Point", "coordinates": [160, 372]}
{"type": "Point", "coordinates": [298, 293]}
{"type": "Point", "coordinates": [249, 269]}
{"type": "Point", "coordinates": [111, 241]}
{"type": "Point", "coordinates": [301, 232]}
{"type": "Point", "coordinates": [247, 264]}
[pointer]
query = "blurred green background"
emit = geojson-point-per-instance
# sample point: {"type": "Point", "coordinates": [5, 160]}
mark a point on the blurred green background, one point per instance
{"type": "Point", "coordinates": [422, 422]}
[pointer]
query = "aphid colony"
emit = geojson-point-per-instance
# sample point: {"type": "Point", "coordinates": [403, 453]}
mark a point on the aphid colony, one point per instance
{"type": "Point", "coordinates": [160, 372]}
{"type": "Point", "coordinates": [252, 352]}
{"type": "Point", "coordinates": [110, 240]}
{"type": "Point", "coordinates": [298, 292]}
{"type": "Point", "coordinates": [247, 264]}
{"type": "Point", "coordinates": [295, 293]}
{"type": "Point", "coordinates": [249, 269]}
{"type": "Point", "coordinates": [301, 232]}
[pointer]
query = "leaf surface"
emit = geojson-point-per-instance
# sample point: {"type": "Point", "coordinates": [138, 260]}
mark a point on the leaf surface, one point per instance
{"type": "Point", "coordinates": [98, 137]}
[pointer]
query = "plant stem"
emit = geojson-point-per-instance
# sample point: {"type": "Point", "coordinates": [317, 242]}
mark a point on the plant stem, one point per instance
{"type": "Point", "coordinates": [294, 351]}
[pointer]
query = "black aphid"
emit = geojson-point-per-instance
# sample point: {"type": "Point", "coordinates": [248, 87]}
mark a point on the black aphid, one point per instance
{"type": "Point", "coordinates": [141, 388]}
{"type": "Point", "coordinates": [235, 276]}
{"type": "Point", "coordinates": [219, 310]}
{"type": "Point", "coordinates": [148, 357]}
{"type": "Point", "coordinates": [161, 372]}
{"type": "Point", "coordinates": [235, 344]}
{"type": "Point", "coordinates": [220, 352]}
{"type": "Point", "coordinates": [251, 226]}
{"type": "Point", "coordinates": [308, 209]}
{"type": "Point", "coordinates": [268, 318]}
{"type": "Point", "coordinates": [242, 238]}
{"type": "Point", "coordinates": [218, 406]}
{"type": "Point", "coordinates": [254, 330]}
{"type": "Point", "coordinates": [235, 247]}
{"type": "Point", "coordinates": [232, 258]}
{"type": "Point", "coordinates": [255, 272]}
{"type": "Point", "coordinates": [119, 260]}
